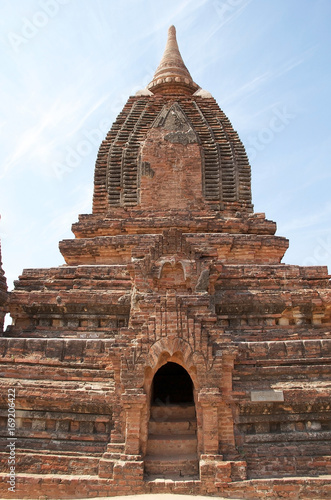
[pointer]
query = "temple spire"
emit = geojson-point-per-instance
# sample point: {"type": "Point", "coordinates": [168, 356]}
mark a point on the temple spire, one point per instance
{"type": "Point", "coordinates": [172, 76]}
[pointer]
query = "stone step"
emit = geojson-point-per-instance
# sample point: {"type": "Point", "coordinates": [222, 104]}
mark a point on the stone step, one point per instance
{"type": "Point", "coordinates": [189, 485]}
{"type": "Point", "coordinates": [115, 447]}
{"type": "Point", "coordinates": [172, 412]}
{"type": "Point", "coordinates": [171, 427]}
{"type": "Point", "coordinates": [175, 465]}
{"type": "Point", "coordinates": [171, 445]}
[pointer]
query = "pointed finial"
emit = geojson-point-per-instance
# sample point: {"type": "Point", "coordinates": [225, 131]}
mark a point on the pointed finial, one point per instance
{"type": "Point", "coordinates": [172, 76]}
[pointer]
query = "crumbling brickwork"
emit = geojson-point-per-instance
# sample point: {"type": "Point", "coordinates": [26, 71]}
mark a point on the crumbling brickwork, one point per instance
{"type": "Point", "coordinates": [174, 352]}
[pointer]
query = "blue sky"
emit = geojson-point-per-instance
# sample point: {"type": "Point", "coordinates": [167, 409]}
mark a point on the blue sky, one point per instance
{"type": "Point", "coordinates": [68, 66]}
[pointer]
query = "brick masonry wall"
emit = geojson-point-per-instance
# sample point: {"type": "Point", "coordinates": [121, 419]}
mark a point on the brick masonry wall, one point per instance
{"type": "Point", "coordinates": [173, 179]}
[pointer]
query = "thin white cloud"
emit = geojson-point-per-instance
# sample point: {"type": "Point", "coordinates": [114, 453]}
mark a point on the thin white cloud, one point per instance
{"type": "Point", "coordinates": [79, 125]}
{"type": "Point", "coordinates": [309, 221]}
{"type": "Point", "coordinates": [63, 218]}
{"type": "Point", "coordinates": [38, 141]}
{"type": "Point", "coordinates": [258, 82]}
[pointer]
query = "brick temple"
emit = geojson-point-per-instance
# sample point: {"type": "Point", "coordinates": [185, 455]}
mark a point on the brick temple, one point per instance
{"type": "Point", "coordinates": [174, 351]}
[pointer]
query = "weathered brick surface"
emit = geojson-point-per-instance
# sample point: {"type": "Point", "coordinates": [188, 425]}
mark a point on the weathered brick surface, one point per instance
{"type": "Point", "coordinates": [172, 269]}
{"type": "Point", "coordinates": [122, 175]}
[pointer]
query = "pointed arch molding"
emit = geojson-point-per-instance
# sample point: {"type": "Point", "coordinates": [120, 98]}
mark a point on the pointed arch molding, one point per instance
{"type": "Point", "coordinates": [177, 123]}
{"type": "Point", "coordinates": [175, 350]}
{"type": "Point", "coordinates": [155, 358]}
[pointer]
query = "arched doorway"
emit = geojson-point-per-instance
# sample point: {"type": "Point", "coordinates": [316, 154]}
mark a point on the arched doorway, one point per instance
{"type": "Point", "coordinates": [172, 431]}
{"type": "Point", "coordinates": [172, 385]}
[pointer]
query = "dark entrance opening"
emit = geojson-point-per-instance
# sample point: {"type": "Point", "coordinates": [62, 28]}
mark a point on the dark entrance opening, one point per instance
{"type": "Point", "coordinates": [172, 385]}
{"type": "Point", "coordinates": [172, 443]}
